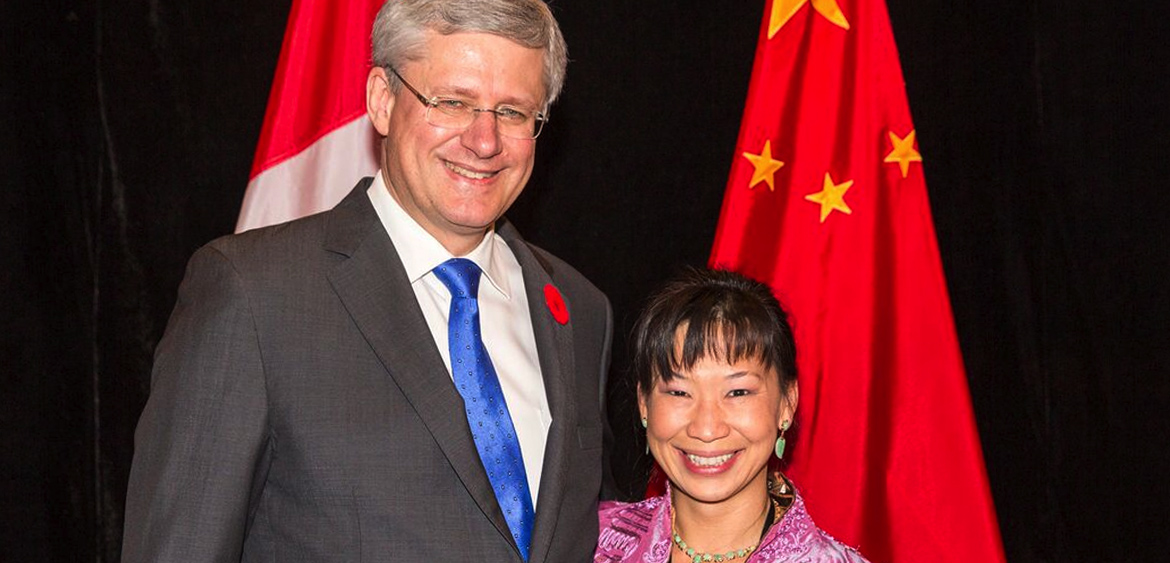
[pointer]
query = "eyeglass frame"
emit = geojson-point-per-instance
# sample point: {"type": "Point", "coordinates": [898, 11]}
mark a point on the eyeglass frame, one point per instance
{"type": "Point", "coordinates": [433, 103]}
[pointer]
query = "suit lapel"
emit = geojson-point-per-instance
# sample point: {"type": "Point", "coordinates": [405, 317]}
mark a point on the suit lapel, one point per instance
{"type": "Point", "coordinates": [372, 285]}
{"type": "Point", "coordinates": [554, 343]}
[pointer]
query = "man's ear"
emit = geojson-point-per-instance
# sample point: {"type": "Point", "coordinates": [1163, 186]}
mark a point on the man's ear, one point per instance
{"type": "Point", "coordinates": [379, 100]}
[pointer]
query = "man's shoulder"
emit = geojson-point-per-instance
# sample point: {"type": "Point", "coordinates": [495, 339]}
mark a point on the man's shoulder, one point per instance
{"type": "Point", "coordinates": [572, 286]}
{"type": "Point", "coordinates": [561, 272]}
{"type": "Point", "coordinates": [274, 238]}
{"type": "Point", "coordinates": [261, 249]}
{"type": "Point", "coordinates": [340, 228]}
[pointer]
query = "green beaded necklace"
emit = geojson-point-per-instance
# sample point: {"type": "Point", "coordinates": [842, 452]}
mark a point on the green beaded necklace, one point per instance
{"type": "Point", "coordinates": [700, 557]}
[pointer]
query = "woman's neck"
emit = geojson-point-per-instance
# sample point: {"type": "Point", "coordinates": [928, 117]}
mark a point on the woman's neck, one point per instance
{"type": "Point", "coordinates": [729, 525]}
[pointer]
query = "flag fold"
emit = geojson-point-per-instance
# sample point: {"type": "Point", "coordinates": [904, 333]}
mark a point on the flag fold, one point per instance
{"type": "Point", "coordinates": [316, 141]}
{"type": "Point", "coordinates": [826, 201]}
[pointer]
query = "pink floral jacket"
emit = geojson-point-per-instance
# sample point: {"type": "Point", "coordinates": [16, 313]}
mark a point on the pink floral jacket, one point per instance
{"type": "Point", "coordinates": [640, 532]}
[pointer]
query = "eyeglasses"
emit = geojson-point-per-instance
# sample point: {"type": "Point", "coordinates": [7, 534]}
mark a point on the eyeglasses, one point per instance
{"type": "Point", "coordinates": [456, 113]}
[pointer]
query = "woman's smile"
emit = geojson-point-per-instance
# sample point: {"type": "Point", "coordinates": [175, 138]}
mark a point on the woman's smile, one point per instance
{"type": "Point", "coordinates": [709, 464]}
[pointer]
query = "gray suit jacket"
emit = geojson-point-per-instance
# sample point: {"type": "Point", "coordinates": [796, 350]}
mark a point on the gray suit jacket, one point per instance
{"type": "Point", "coordinates": [300, 411]}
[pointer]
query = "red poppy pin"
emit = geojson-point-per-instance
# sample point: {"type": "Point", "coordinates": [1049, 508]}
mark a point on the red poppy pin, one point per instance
{"type": "Point", "coordinates": [556, 304]}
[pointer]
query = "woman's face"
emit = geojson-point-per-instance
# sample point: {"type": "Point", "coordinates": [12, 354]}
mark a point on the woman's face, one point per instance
{"type": "Point", "coordinates": [713, 428]}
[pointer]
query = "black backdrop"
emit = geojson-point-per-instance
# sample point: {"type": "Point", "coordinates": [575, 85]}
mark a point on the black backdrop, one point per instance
{"type": "Point", "coordinates": [126, 135]}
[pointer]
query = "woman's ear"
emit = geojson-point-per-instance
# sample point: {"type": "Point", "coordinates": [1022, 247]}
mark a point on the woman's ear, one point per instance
{"type": "Point", "coordinates": [788, 404]}
{"type": "Point", "coordinates": [641, 402]}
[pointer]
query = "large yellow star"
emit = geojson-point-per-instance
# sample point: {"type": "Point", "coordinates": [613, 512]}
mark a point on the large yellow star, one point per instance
{"type": "Point", "coordinates": [831, 197]}
{"type": "Point", "coordinates": [765, 165]}
{"type": "Point", "coordinates": [903, 152]}
{"type": "Point", "coordinates": [783, 10]}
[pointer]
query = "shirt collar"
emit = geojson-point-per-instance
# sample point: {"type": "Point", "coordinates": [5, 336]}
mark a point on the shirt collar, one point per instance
{"type": "Point", "coordinates": [420, 252]}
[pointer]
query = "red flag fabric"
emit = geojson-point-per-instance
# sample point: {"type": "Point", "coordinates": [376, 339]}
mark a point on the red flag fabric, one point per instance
{"type": "Point", "coordinates": [316, 141]}
{"type": "Point", "coordinates": [826, 201]}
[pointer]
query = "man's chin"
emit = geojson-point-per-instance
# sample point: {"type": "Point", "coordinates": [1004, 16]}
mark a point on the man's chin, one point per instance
{"type": "Point", "coordinates": [472, 217]}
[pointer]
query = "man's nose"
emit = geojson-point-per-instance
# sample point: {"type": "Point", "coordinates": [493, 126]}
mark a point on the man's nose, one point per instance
{"type": "Point", "coordinates": [482, 137]}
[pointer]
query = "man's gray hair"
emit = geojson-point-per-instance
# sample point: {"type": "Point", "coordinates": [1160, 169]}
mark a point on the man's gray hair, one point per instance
{"type": "Point", "coordinates": [400, 31]}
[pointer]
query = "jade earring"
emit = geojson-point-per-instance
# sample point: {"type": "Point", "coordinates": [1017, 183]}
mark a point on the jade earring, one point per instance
{"type": "Point", "coordinates": [780, 442]}
{"type": "Point", "coordinates": [647, 438]}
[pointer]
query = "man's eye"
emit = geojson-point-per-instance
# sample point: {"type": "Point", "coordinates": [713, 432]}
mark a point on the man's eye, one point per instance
{"type": "Point", "coordinates": [512, 114]}
{"type": "Point", "coordinates": [450, 105]}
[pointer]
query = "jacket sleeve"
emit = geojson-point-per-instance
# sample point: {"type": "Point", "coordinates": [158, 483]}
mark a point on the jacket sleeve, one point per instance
{"type": "Point", "coordinates": [203, 434]}
{"type": "Point", "coordinates": [608, 483]}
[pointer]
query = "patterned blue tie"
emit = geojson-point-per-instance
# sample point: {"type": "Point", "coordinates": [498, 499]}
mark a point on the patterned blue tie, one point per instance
{"type": "Point", "coordinates": [487, 412]}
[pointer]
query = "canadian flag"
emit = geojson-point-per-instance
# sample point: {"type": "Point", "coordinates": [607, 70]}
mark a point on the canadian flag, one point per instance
{"type": "Point", "coordinates": [316, 141]}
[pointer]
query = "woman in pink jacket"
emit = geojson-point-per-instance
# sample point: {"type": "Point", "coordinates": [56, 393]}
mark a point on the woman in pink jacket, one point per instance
{"type": "Point", "coordinates": [716, 369]}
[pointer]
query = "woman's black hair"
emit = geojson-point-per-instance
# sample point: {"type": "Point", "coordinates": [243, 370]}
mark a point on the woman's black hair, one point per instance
{"type": "Point", "coordinates": [727, 316]}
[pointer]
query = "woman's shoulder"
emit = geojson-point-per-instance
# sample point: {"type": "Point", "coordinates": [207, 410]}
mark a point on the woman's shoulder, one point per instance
{"type": "Point", "coordinates": [797, 538]}
{"type": "Point", "coordinates": [644, 509]}
{"type": "Point", "coordinates": [633, 531]}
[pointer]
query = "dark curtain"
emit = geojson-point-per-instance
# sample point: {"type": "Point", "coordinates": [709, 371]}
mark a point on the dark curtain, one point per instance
{"type": "Point", "coordinates": [126, 135]}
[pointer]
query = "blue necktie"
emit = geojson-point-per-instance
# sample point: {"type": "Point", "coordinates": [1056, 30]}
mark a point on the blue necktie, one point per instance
{"type": "Point", "coordinates": [487, 412]}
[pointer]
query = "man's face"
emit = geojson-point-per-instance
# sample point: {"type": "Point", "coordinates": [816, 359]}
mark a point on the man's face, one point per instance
{"type": "Point", "coordinates": [457, 182]}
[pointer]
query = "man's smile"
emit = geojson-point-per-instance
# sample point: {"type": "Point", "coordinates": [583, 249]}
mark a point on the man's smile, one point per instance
{"type": "Point", "coordinates": [469, 173]}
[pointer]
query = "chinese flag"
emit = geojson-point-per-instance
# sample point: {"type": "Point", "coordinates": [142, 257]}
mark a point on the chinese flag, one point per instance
{"type": "Point", "coordinates": [316, 142]}
{"type": "Point", "coordinates": [827, 203]}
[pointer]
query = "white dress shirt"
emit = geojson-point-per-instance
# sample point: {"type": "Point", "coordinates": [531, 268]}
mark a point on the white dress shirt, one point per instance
{"type": "Point", "coordinates": [505, 322]}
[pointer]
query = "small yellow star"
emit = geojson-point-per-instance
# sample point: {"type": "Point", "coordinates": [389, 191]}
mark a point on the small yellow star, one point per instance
{"type": "Point", "coordinates": [765, 165]}
{"type": "Point", "coordinates": [903, 152]}
{"type": "Point", "coordinates": [831, 197]}
{"type": "Point", "coordinates": [783, 10]}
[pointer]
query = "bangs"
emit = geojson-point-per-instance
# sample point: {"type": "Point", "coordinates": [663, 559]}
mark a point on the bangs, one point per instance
{"type": "Point", "coordinates": [712, 315]}
{"type": "Point", "coordinates": [714, 338]}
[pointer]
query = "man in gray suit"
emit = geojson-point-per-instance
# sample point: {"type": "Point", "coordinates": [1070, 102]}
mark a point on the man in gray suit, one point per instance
{"type": "Point", "coordinates": [303, 403]}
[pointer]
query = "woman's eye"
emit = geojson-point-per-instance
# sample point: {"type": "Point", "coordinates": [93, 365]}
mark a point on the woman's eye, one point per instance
{"type": "Point", "coordinates": [739, 393]}
{"type": "Point", "coordinates": [675, 393]}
